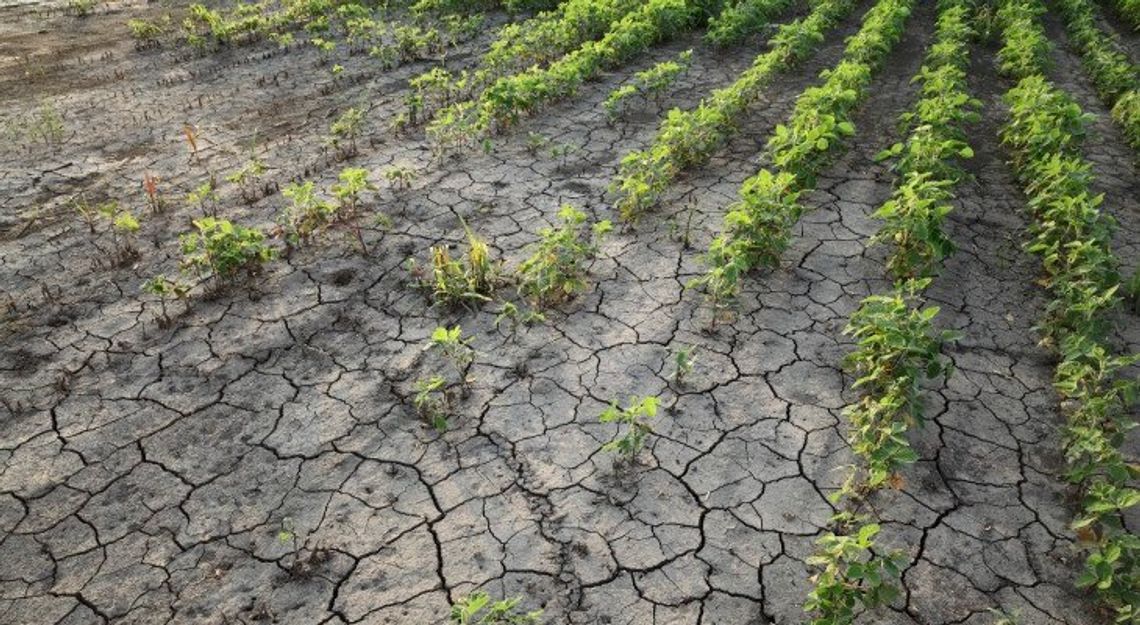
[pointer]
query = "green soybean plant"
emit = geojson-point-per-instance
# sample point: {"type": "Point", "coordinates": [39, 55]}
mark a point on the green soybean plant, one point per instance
{"type": "Point", "coordinates": [455, 348]}
{"type": "Point", "coordinates": [432, 401]}
{"type": "Point", "coordinates": [897, 350]}
{"type": "Point", "coordinates": [635, 417]}
{"type": "Point", "coordinates": [851, 577]}
{"type": "Point", "coordinates": [555, 269]}
{"type": "Point", "coordinates": [221, 250]}
{"type": "Point", "coordinates": [478, 609]}
{"type": "Point", "coordinates": [353, 182]}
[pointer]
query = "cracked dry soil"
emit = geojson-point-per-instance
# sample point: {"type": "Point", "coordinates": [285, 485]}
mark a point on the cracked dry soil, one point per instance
{"type": "Point", "coordinates": [146, 471]}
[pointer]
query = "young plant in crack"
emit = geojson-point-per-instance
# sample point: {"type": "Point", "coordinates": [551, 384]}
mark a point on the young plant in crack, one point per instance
{"type": "Point", "coordinates": [555, 269]}
{"type": "Point", "coordinates": [432, 401]}
{"type": "Point", "coordinates": [400, 176]}
{"type": "Point", "coordinates": [478, 609]}
{"type": "Point", "coordinates": [455, 348]}
{"type": "Point", "coordinates": [516, 317]}
{"type": "Point", "coordinates": [287, 535]}
{"type": "Point", "coordinates": [635, 417]}
{"type": "Point", "coordinates": [202, 196]}
{"type": "Point", "coordinates": [165, 289]}
{"type": "Point", "coordinates": [683, 359]}
{"type": "Point", "coordinates": [851, 576]}
{"type": "Point", "coordinates": [344, 132]}
{"type": "Point", "coordinates": [122, 225]}
{"type": "Point", "coordinates": [348, 193]}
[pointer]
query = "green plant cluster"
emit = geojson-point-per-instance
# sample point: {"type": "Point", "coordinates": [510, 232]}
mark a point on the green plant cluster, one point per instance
{"type": "Point", "coordinates": [221, 250]}
{"type": "Point", "coordinates": [556, 270]}
{"type": "Point", "coordinates": [821, 118]}
{"type": "Point", "coordinates": [757, 229]}
{"type": "Point", "coordinates": [1117, 80]}
{"type": "Point", "coordinates": [530, 43]}
{"type": "Point", "coordinates": [1130, 11]}
{"type": "Point", "coordinates": [738, 21]}
{"type": "Point", "coordinates": [635, 417]}
{"type": "Point", "coordinates": [1025, 50]}
{"type": "Point", "coordinates": [650, 83]}
{"type": "Point", "coordinates": [688, 139]}
{"type": "Point", "coordinates": [898, 350]}
{"type": "Point", "coordinates": [851, 576]}
{"type": "Point", "coordinates": [926, 160]}
{"type": "Point", "coordinates": [1072, 237]}
{"type": "Point", "coordinates": [507, 98]}
{"type": "Point", "coordinates": [478, 609]}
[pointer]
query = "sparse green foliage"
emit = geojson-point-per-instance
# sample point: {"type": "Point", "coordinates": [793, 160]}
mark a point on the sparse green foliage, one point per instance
{"type": "Point", "coordinates": [220, 249]}
{"type": "Point", "coordinates": [511, 312]}
{"type": "Point", "coordinates": [555, 269]}
{"type": "Point", "coordinates": [353, 182]}
{"type": "Point", "coordinates": [165, 289]}
{"type": "Point", "coordinates": [432, 401]}
{"type": "Point", "coordinates": [345, 130]}
{"type": "Point", "coordinates": [851, 577]}
{"type": "Point", "coordinates": [455, 348]}
{"type": "Point", "coordinates": [683, 359]}
{"type": "Point", "coordinates": [204, 195]}
{"type": "Point", "coordinates": [478, 609]}
{"type": "Point", "coordinates": [400, 176]}
{"type": "Point", "coordinates": [305, 216]}
{"type": "Point", "coordinates": [635, 417]}
{"type": "Point", "coordinates": [248, 178]}
{"type": "Point", "coordinates": [651, 83]}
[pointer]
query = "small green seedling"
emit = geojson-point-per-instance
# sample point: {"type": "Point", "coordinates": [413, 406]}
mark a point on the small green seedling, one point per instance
{"type": "Point", "coordinates": [510, 312]}
{"type": "Point", "coordinates": [432, 402]}
{"type": "Point", "coordinates": [165, 288]}
{"type": "Point", "coordinates": [400, 176]}
{"type": "Point", "coordinates": [478, 609]}
{"type": "Point", "coordinates": [345, 130]}
{"type": "Point", "coordinates": [683, 359]}
{"type": "Point", "coordinates": [248, 178]}
{"type": "Point", "coordinates": [348, 192]}
{"type": "Point", "coordinates": [455, 348]}
{"type": "Point", "coordinates": [287, 535]}
{"type": "Point", "coordinates": [535, 142]}
{"type": "Point", "coordinates": [635, 417]}
{"type": "Point", "coordinates": [202, 196]}
{"type": "Point", "coordinates": [555, 269]}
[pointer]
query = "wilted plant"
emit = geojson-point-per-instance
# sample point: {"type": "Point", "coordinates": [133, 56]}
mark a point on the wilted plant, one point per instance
{"type": "Point", "coordinates": [150, 187]}
{"type": "Point", "coordinates": [635, 418]}
{"type": "Point", "coordinates": [555, 269]}
{"type": "Point", "coordinates": [472, 278]}
{"type": "Point", "coordinates": [478, 609]}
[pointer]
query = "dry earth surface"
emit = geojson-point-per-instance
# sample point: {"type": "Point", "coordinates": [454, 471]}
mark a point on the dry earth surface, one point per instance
{"type": "Point", "coordinates": [146, 471]}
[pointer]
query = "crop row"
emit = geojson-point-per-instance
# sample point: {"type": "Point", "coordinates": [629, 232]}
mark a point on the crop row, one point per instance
{"type": "Point", "coordinates": [501, 103]}
{"type": "Point", "coordinates": [758, 227]}
{"type": "Point", "coordinates": [532, 42]}
{"type": "Point", "coordinates": [1072, 237]}
{"type": "Point", "coordinates": [898, 349]}
{"type": "Point", "coordinates": [1117, 80]}
{"type": "Point", "coordinates": [1130, 10]}
{"type": "Point", "coordinates": [688, 138]}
